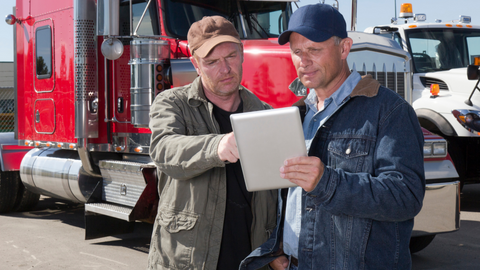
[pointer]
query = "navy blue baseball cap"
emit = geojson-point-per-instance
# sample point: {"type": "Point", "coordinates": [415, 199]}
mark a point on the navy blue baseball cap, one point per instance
{"type": "Point", "coordinates": [317, 22]}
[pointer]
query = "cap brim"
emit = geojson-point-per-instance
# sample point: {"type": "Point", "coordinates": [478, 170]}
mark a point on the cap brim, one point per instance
{"type": "Point", "coordinates": [308, 32]}
{"type": "Point", "coordinates": [205, 49]}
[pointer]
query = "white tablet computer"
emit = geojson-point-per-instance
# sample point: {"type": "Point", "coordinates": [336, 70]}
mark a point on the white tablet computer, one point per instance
{"type": "Point", "coordinates": [264, 140]}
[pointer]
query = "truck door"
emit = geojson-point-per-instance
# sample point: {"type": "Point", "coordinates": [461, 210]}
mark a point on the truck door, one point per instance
{"type": "Point", "coordinates": [51, 97]}
{"type": "Point", "coordinates": [44, 77]}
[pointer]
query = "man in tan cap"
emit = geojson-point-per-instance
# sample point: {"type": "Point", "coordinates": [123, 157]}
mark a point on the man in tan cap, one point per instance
{"type": "Point", "coordinates": [206, 218]}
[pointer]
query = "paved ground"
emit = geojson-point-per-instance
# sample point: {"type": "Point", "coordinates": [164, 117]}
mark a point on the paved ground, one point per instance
{"type": "Point", "coordinates": [52, 237]}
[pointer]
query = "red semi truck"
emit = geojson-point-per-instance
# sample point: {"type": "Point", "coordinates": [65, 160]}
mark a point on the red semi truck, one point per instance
{"type": "Point", "coordinates": [87, 72]}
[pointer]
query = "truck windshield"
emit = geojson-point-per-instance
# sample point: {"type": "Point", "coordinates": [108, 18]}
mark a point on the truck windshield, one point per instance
{"type": "Point", "coordinates": [261, 19]}
{"type": "Point", "coordinates": [443, 48]}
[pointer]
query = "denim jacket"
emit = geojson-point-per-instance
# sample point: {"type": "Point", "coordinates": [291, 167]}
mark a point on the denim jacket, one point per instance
{"type": "Point", "coordinates": [360, 214]}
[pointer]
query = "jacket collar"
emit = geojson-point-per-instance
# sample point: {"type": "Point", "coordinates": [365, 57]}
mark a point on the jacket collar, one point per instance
{"type": "Point", "coordinates": [196, 96]}
{"type": "Point", "coordinates": [367, 87]}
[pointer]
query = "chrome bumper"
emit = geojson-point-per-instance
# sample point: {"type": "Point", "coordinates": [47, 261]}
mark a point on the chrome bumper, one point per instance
{"type": "Point", "coordinates": [441, 209]}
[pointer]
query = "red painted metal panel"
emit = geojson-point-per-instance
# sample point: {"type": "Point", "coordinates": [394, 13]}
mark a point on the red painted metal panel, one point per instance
{"type": "Point", "coordinates": [23, 98]}
{"type": "Point", "coordinates": [59, 88]}
{"type": "Point", "coordinates": [13, 158]}
{"type": "Point", "coordinates": [268, 71]}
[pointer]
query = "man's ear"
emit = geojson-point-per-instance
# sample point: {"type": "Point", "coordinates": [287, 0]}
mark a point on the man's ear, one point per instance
{"type": "Point", "coordinates": [195, 65]}
{"type": "Point", "coordinates": [346, 45]}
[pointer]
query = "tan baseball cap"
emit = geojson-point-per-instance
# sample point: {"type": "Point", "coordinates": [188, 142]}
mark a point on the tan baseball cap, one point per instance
{"type": "Point", "coordinates": [207, 33]}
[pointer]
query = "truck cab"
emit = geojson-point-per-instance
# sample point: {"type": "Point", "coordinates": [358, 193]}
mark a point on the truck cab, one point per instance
{"type": "Point", "coordinates": [445, 100]}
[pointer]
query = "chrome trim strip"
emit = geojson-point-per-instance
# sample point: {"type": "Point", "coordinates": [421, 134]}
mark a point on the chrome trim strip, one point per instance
{"type": "Point", "coordinates": [15, 129]}
{"type": "Point", "coordinates": [110, 210]}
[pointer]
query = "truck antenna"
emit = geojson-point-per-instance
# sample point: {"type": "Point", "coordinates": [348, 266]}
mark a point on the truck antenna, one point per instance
{"type": "Point", "coordinates": [395, 3]}
{"type": "Point", "coordinates": [354, 16]}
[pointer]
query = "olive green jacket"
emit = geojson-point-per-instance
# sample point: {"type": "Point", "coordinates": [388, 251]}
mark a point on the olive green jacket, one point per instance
{"type": "Point", "coordinates": [192, 181]}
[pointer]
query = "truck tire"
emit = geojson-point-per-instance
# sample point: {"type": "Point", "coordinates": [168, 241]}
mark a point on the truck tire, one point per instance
{"type": "Point", "coordinates": [26, 200]}
{"type": "Point", "coordinates": [8, 191]}
{"type": "Point", "coordinates": [418, 243]}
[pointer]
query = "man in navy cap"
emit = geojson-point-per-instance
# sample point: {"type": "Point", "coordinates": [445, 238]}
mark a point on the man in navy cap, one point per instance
{"type": "Point", "coordinates": [363, 180]}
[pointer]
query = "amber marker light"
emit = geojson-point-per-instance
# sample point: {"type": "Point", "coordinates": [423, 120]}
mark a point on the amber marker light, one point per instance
{"type": "Point", "coordinates": [434, 90]}
{"type": "Point", "coordinates": [476, 61]}
{"type": "Point", "coordinates": [412, 26]}
{"type": "Point", "coordinates": [406, 10]}
{"type": "Point", "coordinates": [37, 144]}
{"type": "Point", "coordinates": [71, 146]}
{"type": "Point", "coordinates": [59, 145]}
{"type": "Point", "coordinates": [448, 25]}
{"type": "Point", "coordinates": [119, 148]}
{"type": "Point", "coordinates": [138, 149]}
{"type": "Point", "coordinates": [48, 144]}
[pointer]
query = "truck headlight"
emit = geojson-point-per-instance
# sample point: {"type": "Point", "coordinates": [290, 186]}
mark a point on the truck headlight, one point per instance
{"type": "Point", "coordinates": [468, 119]}
{"type": "Point", "coordinates": [434, 149]}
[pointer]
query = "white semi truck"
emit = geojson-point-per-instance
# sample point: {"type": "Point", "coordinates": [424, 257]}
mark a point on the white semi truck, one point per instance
{"type": "Point", "coordinates": [444, 98]}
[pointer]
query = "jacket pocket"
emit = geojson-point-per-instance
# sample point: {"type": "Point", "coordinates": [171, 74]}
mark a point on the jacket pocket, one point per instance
{"type": "Point", "coordinates": [348, 153]}
{"type": "Point", "coordinates": [175, 236]}
{"type": "Point", "coordinates": [175, 222]}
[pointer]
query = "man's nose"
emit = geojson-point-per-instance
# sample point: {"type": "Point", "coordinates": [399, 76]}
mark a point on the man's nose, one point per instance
{"type": "Point", "coordinates": [224, 66]}
{"type": "Point", "coordinates": [305, 60]}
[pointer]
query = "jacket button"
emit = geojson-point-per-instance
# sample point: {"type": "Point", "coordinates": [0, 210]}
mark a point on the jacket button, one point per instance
{"type": "Point", "coordinates": [348, 151]}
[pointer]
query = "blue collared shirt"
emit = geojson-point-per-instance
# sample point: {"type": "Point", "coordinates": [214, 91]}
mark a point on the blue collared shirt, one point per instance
{"type": "Point", "coordinates": [313, 120]}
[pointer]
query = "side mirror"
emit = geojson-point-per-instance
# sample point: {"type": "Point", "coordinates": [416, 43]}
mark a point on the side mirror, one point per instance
{"type": "Point", "coordinates": [472, 72]}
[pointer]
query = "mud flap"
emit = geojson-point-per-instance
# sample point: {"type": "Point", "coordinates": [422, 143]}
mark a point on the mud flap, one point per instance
{"type": "Point", "coordinates": [97, 226]}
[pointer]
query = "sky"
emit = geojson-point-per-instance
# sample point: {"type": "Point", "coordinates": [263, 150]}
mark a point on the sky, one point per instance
{"type": "Point", "coordinates": [369, 13]}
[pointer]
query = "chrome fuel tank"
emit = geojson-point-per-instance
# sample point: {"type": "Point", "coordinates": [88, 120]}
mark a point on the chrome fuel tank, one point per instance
{"type": "Point", "coordinates": [57, 173]}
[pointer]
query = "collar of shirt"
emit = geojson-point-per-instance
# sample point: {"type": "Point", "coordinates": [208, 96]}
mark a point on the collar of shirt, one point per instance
{"type": "Point", "coordinates": [314, 118]}
{"type": "Point", "coordinates": [337, 97]}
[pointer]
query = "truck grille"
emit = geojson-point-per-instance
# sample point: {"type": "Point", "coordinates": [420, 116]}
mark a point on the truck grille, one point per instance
{"type": "Point", "coordinates": [392, 80]}
{"type": "Point", "coordinates": [426, 81]}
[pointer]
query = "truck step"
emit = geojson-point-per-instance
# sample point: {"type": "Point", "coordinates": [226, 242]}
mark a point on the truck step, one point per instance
{"type": "Point", "coordinates": [108, 209]}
